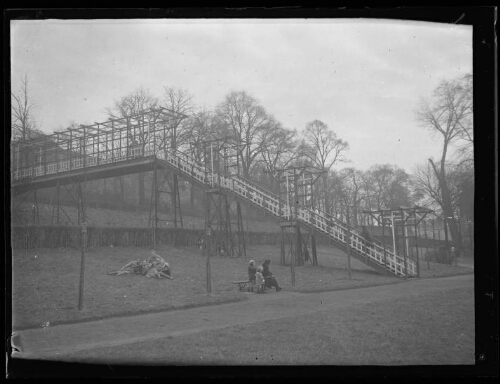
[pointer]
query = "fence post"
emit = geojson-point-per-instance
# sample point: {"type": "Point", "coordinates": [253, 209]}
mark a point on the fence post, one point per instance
{"type": "Point", "coordinates": [348, 245]}
{"type": "Point", "coordinates": [207, 243]}
{"type": "Point", "coordinates": [82, 266]}
{"type": "Point", "coordinates": [313, 249]}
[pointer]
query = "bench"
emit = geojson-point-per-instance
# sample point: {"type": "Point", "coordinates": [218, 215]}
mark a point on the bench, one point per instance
{"type": "Point", "coordinates": [244, 285]}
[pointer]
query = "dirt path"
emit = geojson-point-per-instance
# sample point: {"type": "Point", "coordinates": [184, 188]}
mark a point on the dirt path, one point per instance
{"type": "Point", "coordinates": [51, 342]}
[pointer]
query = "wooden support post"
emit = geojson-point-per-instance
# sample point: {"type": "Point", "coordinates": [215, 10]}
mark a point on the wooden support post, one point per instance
{"type": "Point", "coordinates": [82, 266]}
{"type": "Point", "coordinates": [58, 203]}
{"type": "Point", "coordinates": [313, 249]}
{"type": "Point", "coordinates": [70, 149]}
{"type": "Point", "coordinates": [174, 199]}
{"type": "Point", "coordinates": [283, 258]}
{"type": "Point", "coordinates": [403, 227]}
{"type": "Point", "coordinates": [207, 244]}
{"type": "Point", "coordinates": [36, 214]}
{"type": "Point", "coordinates": [242, 251]}
{"type": "Point", "coordinates": [385, 250]}
{"type": "Point", "coordinates": [294, 254]}
{"type": "Point", "coordinates": [349, 252]}
{"type": "Point", "coordinates": [427, 244]}
{"type": "Point", "coordinates": [348, 246]}
{"type": "Point", "coordinates": [416, 248]}
{"type": "Point", "coordinates": [155, 211]}
{"type": "Point", "coordinates": [80, 204]}
{"type": "Point", "coordinates": [279, 204]}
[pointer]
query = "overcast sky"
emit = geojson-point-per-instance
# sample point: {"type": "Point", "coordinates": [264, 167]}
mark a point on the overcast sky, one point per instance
{"type": "Point", "coordinates": [363, 78]}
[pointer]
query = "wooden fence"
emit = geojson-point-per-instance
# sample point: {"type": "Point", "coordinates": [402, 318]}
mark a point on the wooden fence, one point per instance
{"type": "Point", "coordinates": [70, 237]}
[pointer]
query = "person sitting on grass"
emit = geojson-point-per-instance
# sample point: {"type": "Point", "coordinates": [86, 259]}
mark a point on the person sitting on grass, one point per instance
{"type": "Point", "coordinates": [270, 280]}
{"type": "Point", "coordinates": [259, 280]}
{"type": "Point", "coordinates": [155, 266]}
{"type": "Point", "coordinates": [153, 272]}
{"type": "Point", "coordinates": [135, 266]}
{"type": "Point", "coordinates": [162, 268]}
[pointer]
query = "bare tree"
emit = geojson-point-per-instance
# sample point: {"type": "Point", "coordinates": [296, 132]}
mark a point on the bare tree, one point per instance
{"type": "Point", "coordinates": [426, 185]}
{"type": "Point", "coordinates": [132, 104]}
{"type": "Point", "coordinates": [449, 114]}
{"type": "Point", "coordinates": [460, 183]}
{"type": "Point", "coordinates": [24, 125]}
{"type": "Point", "coordinates": [180, 102]}
{"type": "Point", "coordinates": [199, 127]}
{"type": "Point", "coordinates": [388, 186]}
{"type": "Point", "coordinates": [466, 123]}
{"type": "Point", "coordinates": [324, 149]}
{"type": "Point", "coordinates": [246, 121]}
{"type": "Point", "coordinates": [279, 149]}
{"type": "Point", "coordinates": [351, 192]}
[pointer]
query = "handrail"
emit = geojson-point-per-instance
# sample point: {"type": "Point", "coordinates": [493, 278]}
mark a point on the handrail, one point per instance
{"type": "Point", "coordinates": [322, 213]}
{"type": "Point", "coordinates": [318, 220]}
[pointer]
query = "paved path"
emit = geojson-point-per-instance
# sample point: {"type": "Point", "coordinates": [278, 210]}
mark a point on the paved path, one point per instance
{"type": "Point", "coordinates": [58, 340]}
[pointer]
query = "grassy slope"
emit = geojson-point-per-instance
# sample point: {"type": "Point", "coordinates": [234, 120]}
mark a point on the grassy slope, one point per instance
{"type": "Point", "coordinates": [140, 219]}
{"type": "Point", "coordinates": [45, 287]}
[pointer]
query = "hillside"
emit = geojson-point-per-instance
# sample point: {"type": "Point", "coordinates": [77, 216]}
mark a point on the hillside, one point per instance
{"type": "Point", "coordinates": [101, 217]}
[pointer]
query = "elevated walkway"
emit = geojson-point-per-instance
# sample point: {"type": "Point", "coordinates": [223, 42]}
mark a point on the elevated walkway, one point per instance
{"type": "Point", "coordinates": [85, 173]}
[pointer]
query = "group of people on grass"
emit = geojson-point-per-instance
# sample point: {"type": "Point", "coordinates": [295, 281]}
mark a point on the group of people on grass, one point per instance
{"type": "Point", "coordinates": [261, 277]}
{"type": "Point", "coordinates": [154, 266]}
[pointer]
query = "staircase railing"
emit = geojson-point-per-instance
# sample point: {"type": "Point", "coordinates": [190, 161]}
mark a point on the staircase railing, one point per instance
{"type": "Point", "coordinates": [335, 229]}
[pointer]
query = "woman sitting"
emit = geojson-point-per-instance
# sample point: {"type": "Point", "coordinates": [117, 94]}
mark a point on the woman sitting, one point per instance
{"type": "Point", "coordinates": [158, 267]}
{"type": "Point", "coordinates": [270, 280]}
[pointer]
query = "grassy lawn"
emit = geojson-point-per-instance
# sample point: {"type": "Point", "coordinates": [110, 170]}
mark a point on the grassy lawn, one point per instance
{"type": "Point", "coordinates": [392, 332]}
{"type": "Point", "coordinates": [45, 287]}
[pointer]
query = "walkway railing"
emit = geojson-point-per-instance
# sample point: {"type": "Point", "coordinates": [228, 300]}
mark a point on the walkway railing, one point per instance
{"type": "Point", "coordinates": [80, 162]}
{"type": "Point", "coordinates": [315, 219]}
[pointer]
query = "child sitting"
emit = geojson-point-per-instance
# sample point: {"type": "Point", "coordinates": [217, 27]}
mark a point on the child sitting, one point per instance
{"type": "Point", "coordinates": [259, 280]}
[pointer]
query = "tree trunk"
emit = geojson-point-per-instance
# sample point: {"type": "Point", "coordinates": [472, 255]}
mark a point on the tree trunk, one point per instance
{"type": "Point", "coordinates": [447, 206]}
{"type": "Point", "coordinates": [325, 193]}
